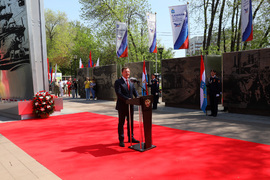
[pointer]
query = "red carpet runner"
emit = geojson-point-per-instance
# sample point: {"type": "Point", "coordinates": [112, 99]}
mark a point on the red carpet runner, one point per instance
{"type": "Point", "coordinates": [85, 146]}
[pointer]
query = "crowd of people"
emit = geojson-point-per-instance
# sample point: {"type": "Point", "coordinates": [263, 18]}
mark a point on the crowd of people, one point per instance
{"type": "Point", "coordinates": [65, 87]}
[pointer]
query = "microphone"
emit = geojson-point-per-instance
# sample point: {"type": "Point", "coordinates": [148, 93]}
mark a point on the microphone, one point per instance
{"type": "Point", "coordinates": [134, 80]}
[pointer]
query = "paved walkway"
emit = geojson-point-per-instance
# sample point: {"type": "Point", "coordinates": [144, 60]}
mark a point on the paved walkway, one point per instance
{"type": "Point", "coordinates": [16, 164]}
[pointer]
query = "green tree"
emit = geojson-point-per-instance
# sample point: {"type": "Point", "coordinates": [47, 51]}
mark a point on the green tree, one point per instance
{"type": "Point", "coordinates": [103, 14]}
{"type": "Point", "coordinates": [59, 39]}
{"type": "Point", "coordinates": [83, 43]}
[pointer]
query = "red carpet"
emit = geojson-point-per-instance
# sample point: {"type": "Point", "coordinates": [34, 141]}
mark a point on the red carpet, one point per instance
{"type": "Point", "coordinates": [85, 146]}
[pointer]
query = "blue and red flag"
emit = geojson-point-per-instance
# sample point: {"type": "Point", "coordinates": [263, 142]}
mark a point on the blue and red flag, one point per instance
{"type": "Point", "coordinates": [179, 23]}
{"type": "Point", "coordinates": [246, 20]}
{"type": "Point", "coordinates": [51, 70]}
{"type": "Point", "coordinates": [203, 93]}
{"type": "Point", "coordinates": [90, 62]}
{"type": "Point", "coordinates": [144, 80]}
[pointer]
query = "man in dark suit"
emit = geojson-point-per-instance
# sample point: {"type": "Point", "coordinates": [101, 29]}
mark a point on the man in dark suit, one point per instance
{"type": "Point", "coordinates": [214, 92]}
{"type": "Point", "coordinates": [124, 90]}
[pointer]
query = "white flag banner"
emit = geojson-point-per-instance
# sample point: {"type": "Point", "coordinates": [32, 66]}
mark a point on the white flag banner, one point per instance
{"type": "Point", "coordinates": [151, 24]}
{"type": "Point", "coordinates": [121, 40]}
{"type": "Point", "coordinates": [81, 64]}
{"type": "Point", "coordinates": [179, 23]}
{"type": "Point", "coordinates": [97, 62]}
{"type": "Point", "coordinates": [55, 71]}
{"type": "Point", "coordinates": [246, 20]}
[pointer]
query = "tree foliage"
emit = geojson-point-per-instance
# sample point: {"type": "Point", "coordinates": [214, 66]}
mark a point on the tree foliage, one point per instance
{"type": "Point", "coordinates": [222, 24]}
{"type": "Point", "coordinates": [59, 39]}
{"type": "Point", "coordinates": [102, 15]}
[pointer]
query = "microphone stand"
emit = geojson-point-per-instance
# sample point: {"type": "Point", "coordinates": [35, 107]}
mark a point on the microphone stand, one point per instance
{"type": "Point", "coordinates": [138, 83]}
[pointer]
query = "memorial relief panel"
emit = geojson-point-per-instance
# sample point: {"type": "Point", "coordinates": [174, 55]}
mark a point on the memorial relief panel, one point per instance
{"type": "Point", "coordinates": [247, 81]}
{"type": "Point", "coordinates": [15, 69]}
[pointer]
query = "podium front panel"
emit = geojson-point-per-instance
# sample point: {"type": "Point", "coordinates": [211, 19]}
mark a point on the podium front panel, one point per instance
{"type": "Point", "coordinates": [146, 102]}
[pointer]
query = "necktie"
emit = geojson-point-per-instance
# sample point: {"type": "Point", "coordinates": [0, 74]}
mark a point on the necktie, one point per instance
{"type": "Point", "coordinates": [128, 84]}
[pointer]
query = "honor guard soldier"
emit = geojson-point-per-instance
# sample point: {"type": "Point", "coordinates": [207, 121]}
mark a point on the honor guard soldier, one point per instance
{"type": "Point", "coordinates": [214, 92]}
{"type": "Point", "coordinates": [154, 90]}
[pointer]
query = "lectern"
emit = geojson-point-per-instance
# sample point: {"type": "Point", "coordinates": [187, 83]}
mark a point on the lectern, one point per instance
{"type": "Point", "coordinates": [146, 105]}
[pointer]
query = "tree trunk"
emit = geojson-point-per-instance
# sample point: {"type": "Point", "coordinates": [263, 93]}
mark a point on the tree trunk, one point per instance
{"type": "Point", "coordinates": [264, 39]}
{"type": "Point", "coordinates": [205, 5]}
{"type": "Point", "coordinates": [238, 36]}
{"type": "Point", "coordinates": [220, 24]}
{"type": "Point", "coordinates": [233, 25]}
{"type": "Point", "coordinates": [224, 40]}
{"type": "Point", "coordinates": [214, 10]}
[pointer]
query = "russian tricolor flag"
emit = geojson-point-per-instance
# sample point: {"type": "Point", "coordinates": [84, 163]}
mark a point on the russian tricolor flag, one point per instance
{"type": "Point", "coordinates": [179, 23]}
{"type": "Point", "coordinates": [152, 35]}
{"type": "Point", "coordinates": [90, 62]}
{"type": "Point", "coordinates": [121, 40]}
{"type": "Point", "coordinates": [246, 20]}
{"type": "Point", "coordinates": [203, 93]}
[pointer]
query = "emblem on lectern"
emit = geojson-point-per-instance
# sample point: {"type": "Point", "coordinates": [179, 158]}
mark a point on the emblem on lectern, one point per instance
{"type": "Point", "coordinates": [147, 103]}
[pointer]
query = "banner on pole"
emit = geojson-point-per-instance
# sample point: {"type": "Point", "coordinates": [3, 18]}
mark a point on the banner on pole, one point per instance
{"type": "Point", "coordinates": [152, 35]}
{"type": "Point", "coordinates": [246, 20]}
{"type": "Point", "coordinates": [179, 23]}
{"type": "Point", "coordinates": [121, 40]}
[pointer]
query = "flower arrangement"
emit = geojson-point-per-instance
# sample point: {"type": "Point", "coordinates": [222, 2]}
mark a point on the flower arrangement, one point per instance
{"type": "Point", "coordinates": [43, 104]}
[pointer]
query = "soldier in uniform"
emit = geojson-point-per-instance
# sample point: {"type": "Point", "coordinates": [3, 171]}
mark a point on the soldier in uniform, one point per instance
{"type": "Point", "coordinates": [154, 90]}
{"type": "Point", "coordinates": [214, 92]}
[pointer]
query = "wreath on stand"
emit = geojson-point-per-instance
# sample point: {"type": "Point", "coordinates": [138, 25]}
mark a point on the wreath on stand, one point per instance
{"type": "Point", "coordinates": [43, 104]}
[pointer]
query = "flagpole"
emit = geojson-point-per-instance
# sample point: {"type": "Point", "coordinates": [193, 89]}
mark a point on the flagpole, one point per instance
{"type": "Point", "coordinates": [156, 63]}
{"type": "Point", "coordinates": [188, 26]}
{"type": "Point", "coordinates": [156, 37]}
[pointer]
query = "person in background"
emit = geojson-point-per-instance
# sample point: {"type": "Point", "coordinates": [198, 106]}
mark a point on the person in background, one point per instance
{"type": "Point", "coordinates": [214, 87]}
{"type": "Point", "coordinates": [61, 87]}
{"type": "Point", "coordinates": [65, 87]}
{"type": "Point", "coordinates": [92, 85]}
{"type": "Point", "coordinates": [56, 88]}
{"type": "Point", "coordinates": [125, 90]}
{"type": "Point", "coordinates": [69, 86]}
{"type": "Point", "coordinates": [72, 88]}
{"type": "Point", "coordinates": [75, 87]}
{"type": "Point", "coordinates": [87, 88]}
{"type": "Point", "coordinates": [154, 90]}
{"type": "Point", "coordinates": [52, 85]}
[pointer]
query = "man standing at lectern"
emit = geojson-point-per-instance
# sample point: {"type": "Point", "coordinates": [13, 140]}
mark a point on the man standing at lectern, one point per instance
{"type": "Point", "coordinates": [124, 90]}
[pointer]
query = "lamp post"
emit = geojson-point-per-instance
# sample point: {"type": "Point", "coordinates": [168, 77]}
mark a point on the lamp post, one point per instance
{"type": "Point", "coordinates": [160, 51]}
{"type": "Point", "coordinates": [71, 68]}
{"type": "Point", "coordinates": [75, 69]}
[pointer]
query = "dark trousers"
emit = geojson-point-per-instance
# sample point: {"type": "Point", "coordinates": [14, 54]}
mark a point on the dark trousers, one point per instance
{"type": "Point", "coordinates": [121, 121]}
{"type": "Point", "coordinates": [213, 104]}
{"type": "Point", "coordinates": [155, 101]}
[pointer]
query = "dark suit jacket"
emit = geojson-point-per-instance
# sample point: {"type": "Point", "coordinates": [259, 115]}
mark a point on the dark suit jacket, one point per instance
{"type": "Point", "coordinates": [123, 94]}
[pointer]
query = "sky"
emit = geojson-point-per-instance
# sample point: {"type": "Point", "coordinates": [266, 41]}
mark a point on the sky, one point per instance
{"type": "Point", "coordinates": [161, 7]}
